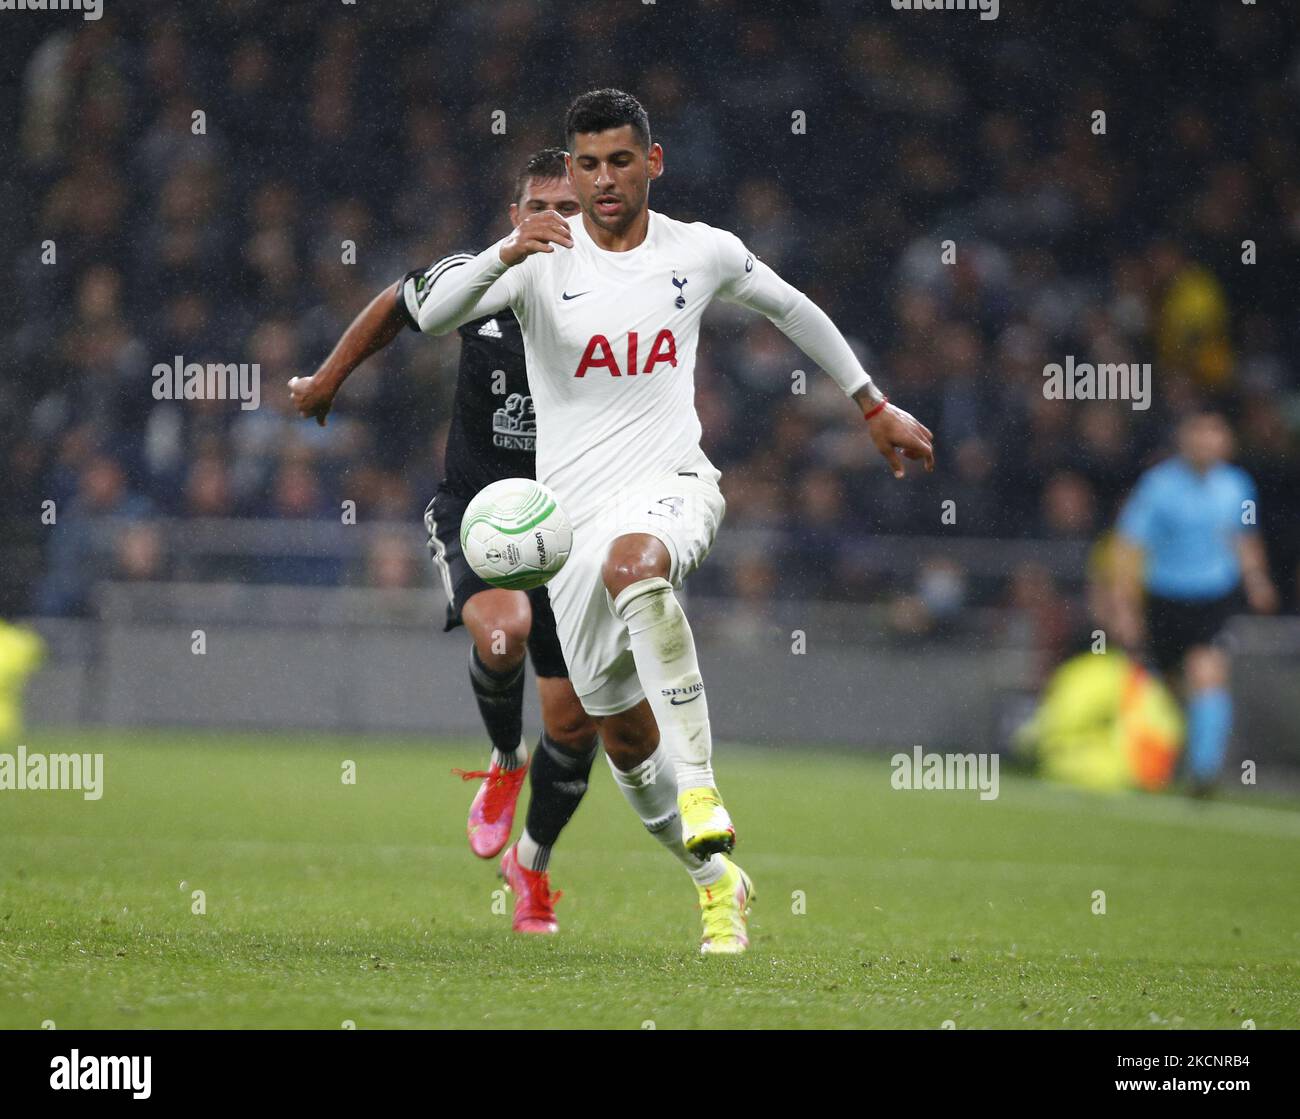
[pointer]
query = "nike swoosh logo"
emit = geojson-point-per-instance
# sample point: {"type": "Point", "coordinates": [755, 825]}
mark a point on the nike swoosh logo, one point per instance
{"type": "Point", "coordinates": [575, 295]}
{"type": "Point", "coordinates": [679, 702]}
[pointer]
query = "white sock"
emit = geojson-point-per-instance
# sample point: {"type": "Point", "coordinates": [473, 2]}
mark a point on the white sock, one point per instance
{"type": "Point", "coordinates": [664, 650]}
{"type": "Point", "coordinates": [651, 789]}
{"type": "Point", "coordinates": [510, 759]}
{"type": "Point", "coordinates": [531, 854]}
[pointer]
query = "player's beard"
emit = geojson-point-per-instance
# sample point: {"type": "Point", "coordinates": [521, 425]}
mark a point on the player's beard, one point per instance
{"type": "Point", "coordinates": [631, 211]}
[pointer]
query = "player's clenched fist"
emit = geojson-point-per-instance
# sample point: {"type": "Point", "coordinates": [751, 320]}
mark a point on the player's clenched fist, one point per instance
{"type": "Point", "coordinates": [893, 430]}
{"type": "Point", "coordinates": [536, 234]}
{"type": "Point", "coordinates": [312, 397]}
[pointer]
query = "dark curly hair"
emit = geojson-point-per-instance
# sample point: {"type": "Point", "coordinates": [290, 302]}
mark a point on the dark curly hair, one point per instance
{"type": "Point", "coordinates": [599, 109]}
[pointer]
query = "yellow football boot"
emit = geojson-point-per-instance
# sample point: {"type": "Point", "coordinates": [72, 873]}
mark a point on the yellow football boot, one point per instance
{"type": "Point", "coordinates": [706, 827]}
{"type": "Point", "coordinates": [724, 908]}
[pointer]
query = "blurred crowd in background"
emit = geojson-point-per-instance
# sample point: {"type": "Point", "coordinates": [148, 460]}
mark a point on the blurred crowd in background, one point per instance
{"type": "Point", "coordinates": [373, 124]}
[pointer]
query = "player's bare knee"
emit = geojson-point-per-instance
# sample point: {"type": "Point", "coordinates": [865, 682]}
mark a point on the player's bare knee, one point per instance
{"type": "Point", "coordinates": [1205, 668]}
{"type": "Point", "coordinates": [634, 559]}
{"type": "Point", "coordinates": [627, 755]}
{"type": "Point", "coordinates": [500, 649]}
{"type": "Point", "coordinates": [630, 737]}
{"type": "Point", "coordinates": [620, 573]}
{"type": "Point", "coordinates": [500, 627]}
{"type": "Point", "coordinates": [565, 719]}
{"type": "Point", "coordinates": [571, 728]}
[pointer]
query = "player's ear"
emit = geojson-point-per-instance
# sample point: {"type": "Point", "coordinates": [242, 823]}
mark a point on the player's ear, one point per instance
{"type": "Point", "coordinates": [514, 213]}
{"type": "Point", "coordinates": [655, 161]}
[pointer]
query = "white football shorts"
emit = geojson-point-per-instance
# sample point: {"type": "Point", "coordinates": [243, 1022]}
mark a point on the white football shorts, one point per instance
{"type": "Point", "coordinates": [684, 510]}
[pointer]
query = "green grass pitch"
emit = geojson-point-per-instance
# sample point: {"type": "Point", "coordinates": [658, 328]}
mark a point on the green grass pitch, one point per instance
{"type": "Point", "coordinates": [329, 903]}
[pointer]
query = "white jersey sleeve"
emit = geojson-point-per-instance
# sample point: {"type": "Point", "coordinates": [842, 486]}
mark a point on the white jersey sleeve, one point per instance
{"type": "Point", "coordinates": [462, 287]}
{"type": "Point", "coordinates": [747, 281]}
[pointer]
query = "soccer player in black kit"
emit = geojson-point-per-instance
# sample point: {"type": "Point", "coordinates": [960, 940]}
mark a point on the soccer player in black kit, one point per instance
{"type": "Point", "coordinates": [491, 437]}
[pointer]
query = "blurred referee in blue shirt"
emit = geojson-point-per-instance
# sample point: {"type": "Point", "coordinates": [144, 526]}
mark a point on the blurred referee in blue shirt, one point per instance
{"type": "Point", "coordinates": [1187, 541]}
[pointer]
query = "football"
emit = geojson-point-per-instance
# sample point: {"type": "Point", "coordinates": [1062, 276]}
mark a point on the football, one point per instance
{"type": "Point", "coordinates": [515, 535]}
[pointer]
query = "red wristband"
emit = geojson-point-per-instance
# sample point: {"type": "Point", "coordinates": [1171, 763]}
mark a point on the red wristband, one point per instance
{"type": "Point", "coordinates": [878, 408]}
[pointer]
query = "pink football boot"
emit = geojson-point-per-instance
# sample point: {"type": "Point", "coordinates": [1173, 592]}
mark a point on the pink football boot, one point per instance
{"type": "Point", "coordinates": [534, 902]}
{"type": "Point", "coordinates": [492, 814]}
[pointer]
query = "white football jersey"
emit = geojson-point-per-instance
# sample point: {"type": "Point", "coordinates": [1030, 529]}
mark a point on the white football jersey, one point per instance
{"type": "Point", "coordinates": [610, 341]}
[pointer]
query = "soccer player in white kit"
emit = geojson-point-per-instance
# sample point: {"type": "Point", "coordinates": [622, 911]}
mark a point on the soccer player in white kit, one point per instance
{"type": "Point", "coordinates": [610, 325]}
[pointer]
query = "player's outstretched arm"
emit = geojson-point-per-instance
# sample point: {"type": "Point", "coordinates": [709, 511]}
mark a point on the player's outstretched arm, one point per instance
{"type": "Point", "coordinates": [368, 333]}
{"type": "Point", "coordinates": [751, 283]}
{"type": "Point", "coordinates": [469, 287]}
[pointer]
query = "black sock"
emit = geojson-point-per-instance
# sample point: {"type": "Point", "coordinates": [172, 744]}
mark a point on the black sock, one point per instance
{"type": "Point", "coordinates": [500, 698]}
{"type": "Point", "coordinates": [557, 782]}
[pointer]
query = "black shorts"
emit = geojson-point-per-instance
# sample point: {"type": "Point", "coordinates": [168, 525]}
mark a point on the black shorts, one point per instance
{"type": "Point", "coordinates": [1176, 625]}
{"type": "Point", "coordinates": [442, 520]}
